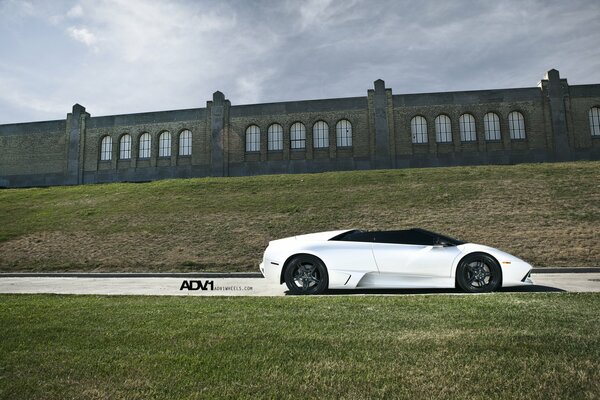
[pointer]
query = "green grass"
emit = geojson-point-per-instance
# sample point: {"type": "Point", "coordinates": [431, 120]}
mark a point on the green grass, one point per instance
{"type": "Point", "coordinates": [502, 345]}
{"type": "Point", "coordinates": [548, 214]}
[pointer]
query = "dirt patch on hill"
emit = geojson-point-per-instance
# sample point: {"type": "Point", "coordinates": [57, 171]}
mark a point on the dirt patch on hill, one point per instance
{"type": "Point", "coordinates": [83, 251]}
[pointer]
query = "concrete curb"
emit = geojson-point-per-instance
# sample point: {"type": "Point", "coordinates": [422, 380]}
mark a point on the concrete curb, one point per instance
{"type": "Point", "coordinates": [191, 275]}
{"type": "Point", "coordinates": [187, 275]}
{"type": "Point", "coordinates": [566, 270]}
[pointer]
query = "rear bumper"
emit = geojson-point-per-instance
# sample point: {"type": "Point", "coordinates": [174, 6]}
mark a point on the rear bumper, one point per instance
{"type": "Point", "coordinates": [270, 270]}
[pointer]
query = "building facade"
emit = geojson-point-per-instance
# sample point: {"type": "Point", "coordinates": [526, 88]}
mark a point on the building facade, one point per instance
{"type": "Point", "coordinates": [551, 122]}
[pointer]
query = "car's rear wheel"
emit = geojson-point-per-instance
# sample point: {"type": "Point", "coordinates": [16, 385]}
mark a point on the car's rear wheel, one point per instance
{"type": "Point", "coordinates": [478, 273]}
{"type": "Point", "coordinates": [306, 274]}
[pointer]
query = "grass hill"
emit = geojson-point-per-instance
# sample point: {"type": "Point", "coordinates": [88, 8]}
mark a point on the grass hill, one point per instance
{"type": "Point", "coordinates": [548, 214]}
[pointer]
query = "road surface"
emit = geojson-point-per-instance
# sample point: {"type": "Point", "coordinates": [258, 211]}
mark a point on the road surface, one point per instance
{"type": "Point", "coordinates": [178, 286]}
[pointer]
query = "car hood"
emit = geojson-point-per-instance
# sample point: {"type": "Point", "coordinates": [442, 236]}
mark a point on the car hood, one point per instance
{"type": "Point", "coordinates": [499, 254]}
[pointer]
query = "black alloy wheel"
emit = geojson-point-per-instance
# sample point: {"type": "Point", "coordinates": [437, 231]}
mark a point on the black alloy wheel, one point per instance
{"type": "Point", "coordinates": [478, 273]}
{"type": "Point", "coordinates": [306, 274]}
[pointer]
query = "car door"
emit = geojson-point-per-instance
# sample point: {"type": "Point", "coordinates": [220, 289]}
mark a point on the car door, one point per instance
{"type": "Point", "coordinates": [415, 260]}
{"type": "Point", "coordinates": [347, 256]}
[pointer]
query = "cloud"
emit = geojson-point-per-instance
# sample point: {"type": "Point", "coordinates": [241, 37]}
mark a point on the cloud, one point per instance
{"type": "Point", "coordinates": [139, 55]}
{"type": "Point", "coordinates": [82, 35]}
{"type": "Point", "coordinates": [13, 96]}
{"type": "Point", "coordinates": [322, 14]}
{"type": "Point", "coordinates": [75, 12]}
{"type": "Point", "coordinates": [249, 86]}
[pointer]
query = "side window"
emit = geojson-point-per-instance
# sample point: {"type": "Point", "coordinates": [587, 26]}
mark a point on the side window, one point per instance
{"type": "Point", "coordinates": [516, 125]}
{"type": "Point", "coordinates": [298, 136]}
{"type": "Point", "coordinates": [443, 129]}
{"type": "Point", "coordinates": [467, 128]}
{"type": "Point", "coordinates": [164, 144]}
{"type": "Point", "coordinates": [320, 135]}
{"type": "Point", "coordinates": [594, 115]}
{"type": "Point", "coordinates": [418, 129]}
{"type": "Point", "coordinates": [491, 122]}
{"type": "Point", "coordinates": [343, 130]}
{"type": "Point", "coordinates": [125, 147]}
{"type": "Point", "coordinates": [253, 138]}
{"type": "Point", "coordinates": [275, 137]}
{"type": "Point", "coordinates": [185, 143]}
{"type": "Point", "coordinates": [106, 148]}
{"type": "Point", "coordinates": [145, 143]}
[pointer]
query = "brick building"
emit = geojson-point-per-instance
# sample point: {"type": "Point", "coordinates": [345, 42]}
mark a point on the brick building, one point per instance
{"type": "Point", "coordinates": [551, 122]}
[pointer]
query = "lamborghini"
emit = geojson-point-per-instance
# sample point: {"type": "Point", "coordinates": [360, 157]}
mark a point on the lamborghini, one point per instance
{"type": "Point", "coordinates": [401, 259]}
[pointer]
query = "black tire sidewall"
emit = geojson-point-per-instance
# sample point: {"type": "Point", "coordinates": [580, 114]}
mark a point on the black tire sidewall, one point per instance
{"type": "Point", "coordinates": [495, 270]}
{"type": "Point", "coordinates": [289, 281]}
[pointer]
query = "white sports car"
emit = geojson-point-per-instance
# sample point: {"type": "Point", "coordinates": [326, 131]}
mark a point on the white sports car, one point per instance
{"type": "Point", "coordinates": [413, 258]}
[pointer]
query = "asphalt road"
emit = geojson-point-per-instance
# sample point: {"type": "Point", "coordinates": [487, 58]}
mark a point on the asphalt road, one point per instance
{"type": "Point", "coordinates": [178, 286]}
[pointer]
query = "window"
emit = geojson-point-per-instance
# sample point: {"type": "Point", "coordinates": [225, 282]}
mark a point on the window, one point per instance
{"type": "Point", "coordinates": [594, 114]}
{"type": "Point", "coordinates": [253, 138]}
{"type": "Point", "coordinates": [164, 145]}
{"type": "Point", "coordinates": [343, 130]}
{"type": "Point", "coordinates": [516, 125]}
{"type": "Point", "coordinates": [467, 128]}
{"type": "Point", "coordinates": [418, 129]}
{"type": "Point", "coordinates": [185, 143]}
{"type": "Point", "coordinates": [491, 122]}
{"type": "Point", "coordinates": [320, 135]}
{"type": "Point", "coordinates": [443, 130]}
{"type": "Point", "coordinates": [106, 148]}
{"type": "Point", "coordinates": [298, 136]}
{"type": "Point", "coordinates": [125, 147]}
{"type": "Point", "coordinates": [275, 137]}
{"type": "Point", "coordinates": [145, 142]}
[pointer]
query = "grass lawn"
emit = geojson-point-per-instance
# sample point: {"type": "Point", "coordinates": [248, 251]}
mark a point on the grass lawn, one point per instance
{"type": "Point", "coordinates": [502, 345]}
{"type": "Point", "coordinates": [548, 214]}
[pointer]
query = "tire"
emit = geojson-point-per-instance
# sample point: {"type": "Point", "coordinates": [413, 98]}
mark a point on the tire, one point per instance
{"type": "Point", "coordinates": [478, 273]}
{"type": "Point", "coordinates": [306, 274]}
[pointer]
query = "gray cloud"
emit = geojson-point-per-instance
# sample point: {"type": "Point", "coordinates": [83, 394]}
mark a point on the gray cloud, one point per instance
{"type": "Point", "coordinates": [121, 56]}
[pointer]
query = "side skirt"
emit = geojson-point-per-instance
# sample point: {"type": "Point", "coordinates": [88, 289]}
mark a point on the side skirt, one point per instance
{"type": "Point", "coordinates": [396, 281]}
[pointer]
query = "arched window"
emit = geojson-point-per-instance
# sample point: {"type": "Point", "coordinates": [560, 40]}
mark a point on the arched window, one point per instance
{"type": "Point", "coordinates": [594, 114]}
{"type": "Point", "coordinates": [491, 122]}
{"type": "Point", "coordinates": [185, 143]}
{"type": "Point", "coordinates": [275, 137]}
{"type": "Point", "coordinates": [343, 130]}
{"type": "Point", "coordinates": [253, 138]}
{"type": "Point", "coordinates": [443, 130]}
{"type": "Point", "coordinates": [164, 144]}
{"type": "Point", "coordinates": [106, 148]}
{"type": "Point", "coordinates": [418, 129]}
{"type": "Point", "coordinates": [467, 128]}
{"type": "Point", "coordinates": [516, 125]}
{"type": "Point", "coordinates": [125, 147]}
{"type": "Point", "coordinates": [145, 143]}
{"type": "Point", "coordinates": [320, 135]}
{"type": "Point", "coordinates": [298, 136]}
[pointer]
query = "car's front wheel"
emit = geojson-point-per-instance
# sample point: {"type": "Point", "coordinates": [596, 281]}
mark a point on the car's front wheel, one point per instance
{"type": "Point", "coordinates": [478, 273]}
{"type": "Point", "coordinates": [306, 274]}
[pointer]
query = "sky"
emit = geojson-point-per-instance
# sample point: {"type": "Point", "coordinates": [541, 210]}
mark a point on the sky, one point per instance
{"type": "Point", "coordinates": [128, 56]}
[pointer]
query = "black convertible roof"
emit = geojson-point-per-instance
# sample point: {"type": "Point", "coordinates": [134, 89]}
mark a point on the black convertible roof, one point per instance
{"type": "Point", "coordinates": [414, 236]}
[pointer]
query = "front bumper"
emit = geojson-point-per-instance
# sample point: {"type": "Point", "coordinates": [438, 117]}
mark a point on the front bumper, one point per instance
{"type": "Point", "coordinates": [517, 274]}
